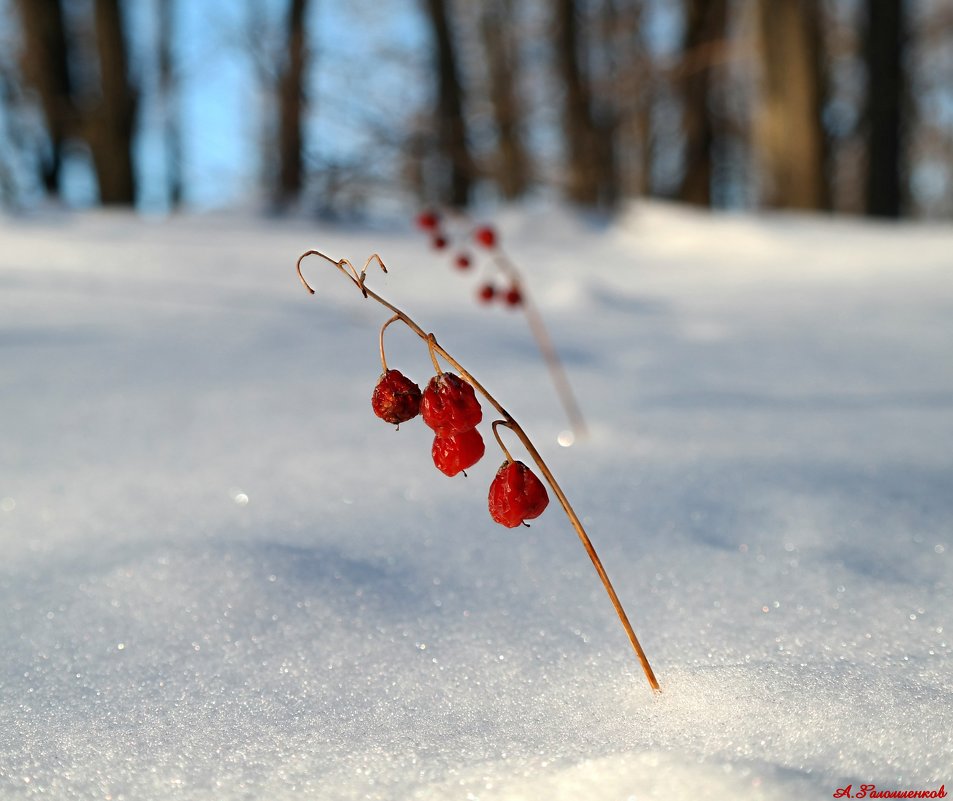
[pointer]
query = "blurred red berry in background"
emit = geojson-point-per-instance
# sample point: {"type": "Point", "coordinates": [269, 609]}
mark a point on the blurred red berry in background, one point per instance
{"type": "Point", "coordinates": [428, 220]}
{"type": "Point", "coordinates": [486, 236]}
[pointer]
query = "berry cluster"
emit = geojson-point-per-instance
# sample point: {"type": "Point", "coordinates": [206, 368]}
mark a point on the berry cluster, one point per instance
{"type": "Point", "coordinates": [511, 296]}
{"type": "Point", "coordinates": [450, 407]}
{"type": "Point", "coordinates": [485, 236]}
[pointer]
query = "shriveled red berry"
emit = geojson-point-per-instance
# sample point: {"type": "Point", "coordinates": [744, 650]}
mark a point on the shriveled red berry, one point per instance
{"type": "Point", "coordinates": [486, 293]}
{"type": "Point", "coordinates": [449, 404]}
{"type": "Point", "coordinates": [462, 261]}
{"type": "Point", "coordinates": [428, 220]}
{"type": "Point", "coordinates": [513, 296]}
{"type": "Point", "coordinates": [458, 451]}
{"type": "Point", "coordinates": [439, 242]}
{"type": "Point", "coordinates": [396, 398]}
{"type": "Point", "coordinates": [485, 235]}
{"type": "Point", "coordinates": [516, 495]}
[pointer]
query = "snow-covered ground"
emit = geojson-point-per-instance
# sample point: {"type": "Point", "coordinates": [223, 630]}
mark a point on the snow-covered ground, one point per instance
{"type": "Point", "coordinates": [221, 577]}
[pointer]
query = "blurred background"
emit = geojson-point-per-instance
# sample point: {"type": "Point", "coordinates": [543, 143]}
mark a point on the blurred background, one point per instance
{"type": "Point", "coordinates": [342, 109]}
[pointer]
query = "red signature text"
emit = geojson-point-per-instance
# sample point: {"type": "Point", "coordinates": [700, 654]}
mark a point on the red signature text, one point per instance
{"type": "Point", "coordinates": [871, 791]}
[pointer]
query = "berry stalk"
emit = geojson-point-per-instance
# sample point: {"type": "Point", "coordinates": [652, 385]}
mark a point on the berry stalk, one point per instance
{"type": "Point", "coordinates": [358, 279]}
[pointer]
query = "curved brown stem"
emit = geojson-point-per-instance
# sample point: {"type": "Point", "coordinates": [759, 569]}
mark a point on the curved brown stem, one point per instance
{"type": "Point", "coordinates": [432, 347]}
{"type": "Point", "coordinates": [499, 440]}
{"type": "Point", "coordinates": [393, 319]}
{"type": "Point", "coordinates": [358, 280]}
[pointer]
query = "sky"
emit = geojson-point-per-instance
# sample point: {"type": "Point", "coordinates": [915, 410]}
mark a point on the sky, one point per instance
{"type": "Point", "coordinates": [221, 105]}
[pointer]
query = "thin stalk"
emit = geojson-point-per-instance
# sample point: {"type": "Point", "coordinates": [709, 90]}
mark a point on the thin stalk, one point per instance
{"type": "Point", "coordinates": [499, 440]}
{"type": "Point", "coordinates": [357, 279]}
{"type": "Point", "coordinates": [393, 319]}
{"type": "Point", "coordinates": [546, 347]}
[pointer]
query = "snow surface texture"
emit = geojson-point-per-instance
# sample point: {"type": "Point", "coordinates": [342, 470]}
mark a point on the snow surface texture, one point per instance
{"type": "Point", "coordinates": [223, 578]}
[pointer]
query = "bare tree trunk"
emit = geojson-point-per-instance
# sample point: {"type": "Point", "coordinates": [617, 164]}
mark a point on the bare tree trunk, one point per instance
{"type": "Point", "coordinates": [10, 141]}
{"type": "Point", "coordinates": [704, 31]}
{"type": "Point", "coordinates": [581, 183]}
{"type": "Point", "coordinates": [45, 66]}
{"type": "Point", "coordinates": [291, 101]}
{"type": "Point", "coordinates": [886, 94]}
{"type": "Point", "coordinates": [606, 102]}
{"type": "Point", "coordinates": [168, 87]}
{"type": "Point", "coordinates": [646, 137]}
{"type": "Point", "coordinates": [451, 127]}
{"type": "Point", "coordinates": [512, 171]}
{"type": "Point", "coordinates": [792, 142]}
{"type": "Point", "coordinates": [110, 125]}
{"type": "Point", "coordinates": [630, 88]}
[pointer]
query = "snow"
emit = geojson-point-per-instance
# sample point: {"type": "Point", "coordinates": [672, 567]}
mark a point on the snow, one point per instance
{"type": "Point", "coordinates": [222, 577]}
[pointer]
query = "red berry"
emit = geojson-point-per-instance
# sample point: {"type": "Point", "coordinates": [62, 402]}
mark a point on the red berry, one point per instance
{"type": "Point", "coordinates": [462, 261]}
{"type": "Point", "coordinates": [516, 495]}
{"type": "Point", "coordinates": [396, 398]}
{"type": "Point", "coordinates": [513, 296]}
{"type": "Point", "coordinates": [486, 236]}
{"type": "Point", "coordinates": [428, 220]}
{"type": "Point", "coordinates": [439, 242]}
{"type": "Point", "coordinates": [458, 451]}
{"type": "Point", "coordinates": [449, 405]}
{"type": "Point", "coordinates": [486, 293]}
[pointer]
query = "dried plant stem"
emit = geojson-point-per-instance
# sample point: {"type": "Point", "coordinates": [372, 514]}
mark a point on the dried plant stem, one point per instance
{"type": "Point", "coordinates": [357, 279]}
{"type": "Point", "coordinates": [499, 440]}
{"type": "Point", "coordinates": [393, 319]}
{"type": "Point", "coordinates": [545, 344]}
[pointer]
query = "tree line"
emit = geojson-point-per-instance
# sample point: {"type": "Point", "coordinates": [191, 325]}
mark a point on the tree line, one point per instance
{"type": "Point", "coordinates": [829, 105]}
